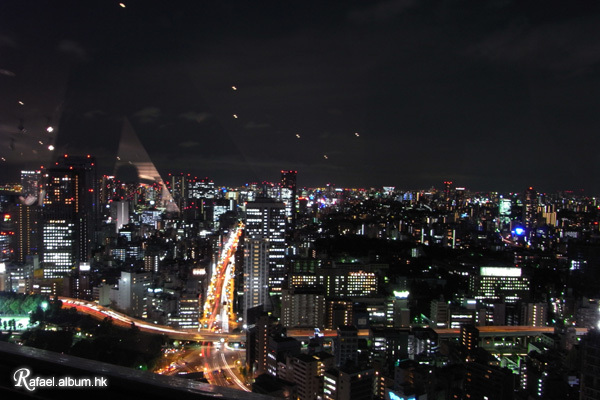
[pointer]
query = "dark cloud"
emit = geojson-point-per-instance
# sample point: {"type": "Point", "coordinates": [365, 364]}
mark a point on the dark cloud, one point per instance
{"type": "Point", "coordinates": [94, 114]}
{"type": "Point", "coordinates": [257, 125]}
{"type": "Point", "coordinates": [73, 48]}
{"type": "Point", "coordinates": [148, 115]}
{"type": "Point", "coordinates": [563, 46]}
{"type": "Point", "coordinates": [195, 116]}
{"type": "Point", "coordinates": [7, 73]}
{"type": "Point", "coordinates": [7, 41]}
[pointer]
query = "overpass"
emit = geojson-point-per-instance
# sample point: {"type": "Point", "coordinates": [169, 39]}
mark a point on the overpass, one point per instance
{"type": "Point", "coordinates": [100, 312]}
{"type": "Point", "coordinates": [97, 311]}
{"type": "Point", "coordinates": [505, 331]}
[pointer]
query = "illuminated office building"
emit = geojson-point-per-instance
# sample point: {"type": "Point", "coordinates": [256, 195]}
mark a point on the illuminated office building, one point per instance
{"type": "Point", "coordinates": [504, 210]}
{"type": "Point", "coordinates": [339, 313]}
{"type": "Point", "coordinates": [530, 205]}
{"type": "Point", "coordinates": [307, 371]}
{"type": "Point", "coordinates": [389, 345]}
{"type": "Point", "coordinates": [469, 338]}
{"type": "Point", "coordinates": [69, 215]}
{"type": "Point", "coordinates": [343, 281]}
{"type": "Point", "coordinates": [289, 195]}
{"type": "Point", "coordinates": [119, 214]}
{"type": "Point", "coordinates": [27, 232]}
{"type": "Point", "coordinates": [264, 258]}
{"type": "Point", "coordinates": [256, 274]}
{"type": "Point", "coordinates": [131, 294]}
{"type": "Point", "coordinates": [348, 384]}
{"type": "Point", "coordinates": [59, 247]}
{"type": "Point", "coordinates": [31, 182]}
{"type": "Point", "coordinates": [303, 308]}
{"type": "Point", "coordinates": [534, 314]}
{"type": "Point", "coordinates": [494, 284]}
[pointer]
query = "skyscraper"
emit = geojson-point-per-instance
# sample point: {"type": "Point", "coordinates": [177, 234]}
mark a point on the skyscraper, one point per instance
{"type": "Point", "coordinates": [530, 203]}
{"type": "Point", "coordinates": [289, 195]}
{"type": "Point", "coordinates": [70, 214]}
{"type": "Point", "coordinates": [31, 185]}
{"type": "Point", "coordinates": [264, 259]}
{"type": "Point", "coordinates": [590, 368]}
{"type": "Point", "coordinates": [27, 239]}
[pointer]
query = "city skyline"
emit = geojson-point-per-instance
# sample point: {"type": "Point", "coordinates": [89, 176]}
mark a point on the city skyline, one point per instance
{"type": "Point", "coordinates": [495, 96]}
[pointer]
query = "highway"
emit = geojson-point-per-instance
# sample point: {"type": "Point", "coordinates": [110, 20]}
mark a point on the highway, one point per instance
{"type": "Point", "coordinates": [219, 363]}
{"type": "Point", "coordinates": [218, 314]}
{"type": "Point", "coordinates": [99, 312]}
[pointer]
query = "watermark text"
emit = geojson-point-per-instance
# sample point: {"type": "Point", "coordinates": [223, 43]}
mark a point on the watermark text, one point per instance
{"type": "Point", "coordinates": [23, 378]}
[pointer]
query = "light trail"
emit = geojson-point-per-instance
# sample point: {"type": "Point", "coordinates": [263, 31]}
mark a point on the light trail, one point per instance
{"type": "Point", "coordinates": [219, 298]}
{"type": "Point", "coordinates": [232, 373]}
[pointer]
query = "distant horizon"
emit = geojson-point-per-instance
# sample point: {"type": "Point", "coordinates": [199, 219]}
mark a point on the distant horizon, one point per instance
{"type": "Point", "coordinates": [275, 179]}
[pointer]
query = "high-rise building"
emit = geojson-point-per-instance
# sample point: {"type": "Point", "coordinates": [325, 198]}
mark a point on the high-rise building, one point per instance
{"type": "Point", "coordinates": [389, 345]}
{"type": "Point", "coordinates": [289, 195]}
{"type": "Point", "coordinates": [59, 247]}
{"type": "Point", "coordinates": [534, 314]}
{"type": "Point", "coordinates": [130, 295]}
{"type": "Point", "coordinates": [440, 312]}
{"type": "Point", "coordinates": [345, 345]}
{"type": "Point", "coordinates": [530, 205]}
{"type": "Point", "coordinates": [339, 313]}
{"type": "Point", "coordinates": [303, 308]}
{"type": "Point", "coordinates": [306, 371]}
{"type": "Point", "coordinates": [70, 214]}
{"type": "Point", "coordinates": [447, 193]}
{"type": "Point", "coordinates": [27, 232]}
{"type": "Point", "coordinates": [341, 280]}
{"type": "Point", "coordinates": [257, 340]}
{"type": "Point", "coordinates": [264, 258]}
{"type": "Point", "coordinates": [590, 366]}
{"type": "Point", "coordinates": [348, 383]}
{"type": "Point", "coordinates": [469, 338]}
{"type": "Point", "coordinates": [119, 213]}
{"type": "Point", "coordinates": [494, 284]}
{"type": "Point", "coordinates": [279, 348]}
{"type": "Point", "coordinates": [31, 182]}
{"type": "Point", "coordinates": [256, 274]}
{"type": "Point", "coordinates": [489, 382]}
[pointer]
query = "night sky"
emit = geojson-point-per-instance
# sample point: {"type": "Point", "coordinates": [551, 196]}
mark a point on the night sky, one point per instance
{"type": "Point", "coordinates": [493, 95]}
